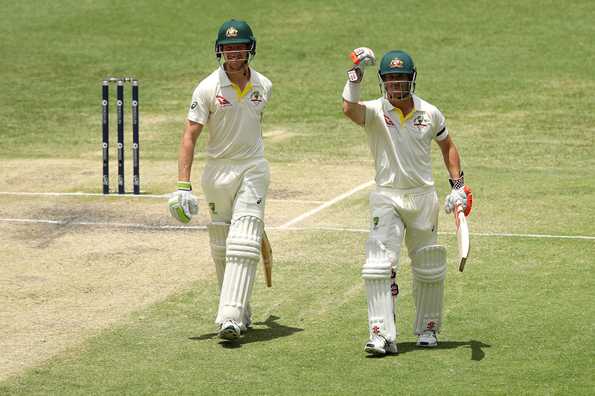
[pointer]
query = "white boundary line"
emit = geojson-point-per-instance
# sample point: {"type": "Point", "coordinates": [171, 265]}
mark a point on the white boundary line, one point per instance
{"type": "Point", "coordinates": [141, 196]}
{"type": "Point", "coordinates": [279, 228]}
{"type": "Point", "coordinates": [326, 204]}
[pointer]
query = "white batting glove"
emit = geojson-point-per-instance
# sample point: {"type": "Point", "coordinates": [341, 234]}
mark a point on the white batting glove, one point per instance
{"type": "Point", "coordinates": [361, 58]}
{"type": "Point", "coordinates": [460, 196]}
{"type": "Point", "coordinates": [183, 204]}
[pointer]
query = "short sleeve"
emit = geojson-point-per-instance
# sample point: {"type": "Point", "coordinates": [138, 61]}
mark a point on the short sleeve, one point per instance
{"type": "Point", "coordinates": [440, 130]}
{"type": "Point", "coordinates": [199, 107]}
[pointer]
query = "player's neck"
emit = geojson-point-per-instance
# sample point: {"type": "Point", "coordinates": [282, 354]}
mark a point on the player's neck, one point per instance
{"type": "Point", "coordinates": [238, 77]}
{"type": "Point", "coordinates": [405, 105]}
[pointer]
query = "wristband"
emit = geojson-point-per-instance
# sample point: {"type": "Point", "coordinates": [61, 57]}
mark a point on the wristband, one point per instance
{"type": "Point", "coordinates": [184, 185]}
{"type": "Point", "coordinates": [459, 183]}
{"type": "Point", "coordinates": [352, 92]}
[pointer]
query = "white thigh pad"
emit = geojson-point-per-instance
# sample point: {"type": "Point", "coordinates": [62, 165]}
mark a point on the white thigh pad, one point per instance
{"type": "Point", "coordinates": [429, 272]}
{"type": "Point", "coordinates": [242, 257]}
{"type": "Point", "coordinates": [218, 232]}
{"type": "Point", "coordinates": [376, 273]}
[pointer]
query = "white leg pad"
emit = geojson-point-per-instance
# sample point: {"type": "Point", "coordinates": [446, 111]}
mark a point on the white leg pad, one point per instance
{"type": "Point", "coordinates": [429, 272]}
{"type": "Point", "coordinates": [377, 277]}
{"type": "Point", "coordinates": [243, 255]}
{"type": "Point", "coordinates": [218, 232]}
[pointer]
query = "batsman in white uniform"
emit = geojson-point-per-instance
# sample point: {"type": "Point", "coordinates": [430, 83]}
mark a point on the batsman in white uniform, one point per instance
{"type": "Point", "coordinates": [230, 104]}
{"type": "Point", "coordinates": [401, 127]}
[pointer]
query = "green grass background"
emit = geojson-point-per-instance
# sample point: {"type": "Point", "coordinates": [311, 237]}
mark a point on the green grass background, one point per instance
{"type": "Point", "coordinates": [515, 81]}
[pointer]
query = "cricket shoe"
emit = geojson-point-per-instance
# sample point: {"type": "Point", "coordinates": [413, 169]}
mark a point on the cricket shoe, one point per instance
{"type": "Point", "coordinates": [230, 330]}
{"type": "Point", "coordinates": [379, 346]}
{"type": "Point", "coordinates": [427, 339]}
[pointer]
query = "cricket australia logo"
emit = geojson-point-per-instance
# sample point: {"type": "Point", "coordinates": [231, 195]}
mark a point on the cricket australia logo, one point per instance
{"type": "Point", "coordinates": [421, 121]}
{"type": "Point", "coordinates": [231, 32]}
{"type": "Point", "coordinates": [396, 63]}
{"type": "Point", "coordinates": [222, 101]}
{"type": "Point", "coordinates": [256, 97]}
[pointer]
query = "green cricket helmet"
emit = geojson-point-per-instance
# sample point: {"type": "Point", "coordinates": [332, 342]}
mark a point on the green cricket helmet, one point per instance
{"type": "Point", "coordinates": [397, 62]}
{"type": "Point", "coordinates": [235, 32]}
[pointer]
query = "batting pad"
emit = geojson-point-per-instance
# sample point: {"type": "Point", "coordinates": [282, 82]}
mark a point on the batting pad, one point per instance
{"type": "Point", "coordinates": [243, 255]}
{"type": "Point", "coordinates": [376, 274]}
{"type": "Point", "coordinates": [218, 236]}
{"type": "Point", "coordinates": [429, 271]}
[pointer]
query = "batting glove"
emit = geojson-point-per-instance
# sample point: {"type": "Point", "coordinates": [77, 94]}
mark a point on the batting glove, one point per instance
{"type": "Point", "coordinates": [182, 204]}
{"type": "Point", "coordinates": [361, 58]}
{"type": "Point", "coordinates": [460, 194]}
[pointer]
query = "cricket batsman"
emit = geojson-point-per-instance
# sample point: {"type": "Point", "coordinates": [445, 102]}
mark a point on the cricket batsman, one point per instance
{"type": "Point", "coordinates": [229, 103]}
{"type": "Point", "coordinates": [400, 127]}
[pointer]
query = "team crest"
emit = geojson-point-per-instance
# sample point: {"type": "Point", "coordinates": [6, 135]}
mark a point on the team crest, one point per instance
{"type": "Point", "coordinates": [396, 63]}
{"type": "Point", "coordinates": [256, 97]}
{"type": "Point", "coordinates": [421, 120]}
{"type": "Point", "coordinates": [231, 32]}
{"type": "Point", "coordinates": [222, 101]}
{"type": "Point", "coordinates": [375, 221]}
{"type": "Point", "coordinates": [212, 207]}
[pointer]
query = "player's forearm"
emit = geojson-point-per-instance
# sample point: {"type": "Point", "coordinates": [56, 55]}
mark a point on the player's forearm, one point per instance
{"type": "Point", "coordinates": [354, 111]}
{"type": "Point", "coordinates": [452, 161]}
{"type": "Point", "coordinates": [185, 160]}
{"type": "Point", "coordinates": [186, 154]}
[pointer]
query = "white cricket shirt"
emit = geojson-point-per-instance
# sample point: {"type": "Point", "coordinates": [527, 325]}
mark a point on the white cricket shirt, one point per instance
{"type": "Point", "coordinates": [401, 145]}
{"type": "Point", "coordinates": [231, 116]}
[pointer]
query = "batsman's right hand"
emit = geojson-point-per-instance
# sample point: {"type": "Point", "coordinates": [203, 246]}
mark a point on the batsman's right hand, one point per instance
{"type": "Point", "coordinates": [182, 203]}
{"type": "Point", "coordinates": [361, 57]}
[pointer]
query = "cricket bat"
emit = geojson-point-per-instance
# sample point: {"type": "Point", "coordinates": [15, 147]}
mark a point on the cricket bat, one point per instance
{"type": "Point", "coordinates": [462, 235]}
{"type": "Point", "coordinates": [267, 259]}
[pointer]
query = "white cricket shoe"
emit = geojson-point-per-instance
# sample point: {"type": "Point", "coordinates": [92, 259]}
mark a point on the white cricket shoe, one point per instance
{"type": "Point", "coordinates": [427, 339]}
{"type": "Point", "coordinates": [230, 330]}
{"type": "Point", "coordinates": [379, 346]}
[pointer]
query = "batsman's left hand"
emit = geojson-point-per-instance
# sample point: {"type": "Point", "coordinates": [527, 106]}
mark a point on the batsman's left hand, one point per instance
{"type": "Point", "coordinates": [459, 195]}
{"type": "Point", "coordinates": [183, 204]}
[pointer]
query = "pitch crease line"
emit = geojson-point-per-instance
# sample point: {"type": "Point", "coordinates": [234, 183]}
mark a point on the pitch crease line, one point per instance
{"type": "Point", "coordinates": [158, 196]}
{"type": "Point", "coordinates": [326, 205]}
{"type": "Point", "coordinates": [280, 228]}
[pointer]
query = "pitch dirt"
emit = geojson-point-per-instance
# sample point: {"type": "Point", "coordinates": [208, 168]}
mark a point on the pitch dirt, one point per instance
{"type": "Point", "coordinates": [62, 283]}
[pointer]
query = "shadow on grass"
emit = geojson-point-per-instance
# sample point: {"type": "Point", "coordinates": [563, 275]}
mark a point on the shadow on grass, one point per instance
{"type": "Point", "coordinates": [477, 352]}
{"type": "Point", "coordinates": [270, 332]}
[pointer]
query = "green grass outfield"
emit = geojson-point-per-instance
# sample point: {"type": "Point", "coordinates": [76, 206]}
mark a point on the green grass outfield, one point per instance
{"type": "Point", "coordinates": [516, 84]}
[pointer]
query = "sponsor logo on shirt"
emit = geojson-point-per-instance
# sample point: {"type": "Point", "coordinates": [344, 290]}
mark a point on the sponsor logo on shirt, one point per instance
{"type": "Point", "coordinates": [388, 121]}
{"type": "Point", "coordinates": [193, 105]}
{"type": "Point", "coordinates": [222, 101]}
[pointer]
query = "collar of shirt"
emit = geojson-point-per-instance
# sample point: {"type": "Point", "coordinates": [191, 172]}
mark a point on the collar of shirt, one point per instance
{"type": "Point", "coordinates": [224, 81]}
{"type": "Point", "coordinates": [389, 108]}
